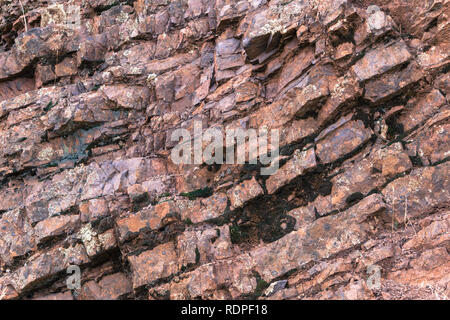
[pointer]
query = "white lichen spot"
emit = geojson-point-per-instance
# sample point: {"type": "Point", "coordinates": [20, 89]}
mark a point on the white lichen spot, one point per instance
{"type": "Point", "coordinates": [89, 238]}
{"type": "Point", "coordinates": [151, 77]}
{"type": "Point", "coordinates": [46, 154]}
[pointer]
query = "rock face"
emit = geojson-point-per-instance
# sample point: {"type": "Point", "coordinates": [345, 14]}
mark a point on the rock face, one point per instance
{"type": "Point", "coordinates": [92, 91]}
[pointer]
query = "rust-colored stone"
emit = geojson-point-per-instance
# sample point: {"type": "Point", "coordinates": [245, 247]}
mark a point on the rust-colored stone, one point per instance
{"type": "Point", "coordinates": [297, 166]}
{"type": "Point", "coordinates": [248, 190]}
{"type": "Point", "coordinates": [154, 264]}
{"type": "Point", "coordinates": [348, 136]}
{"type": "Point", "coordinates": [358, 92]}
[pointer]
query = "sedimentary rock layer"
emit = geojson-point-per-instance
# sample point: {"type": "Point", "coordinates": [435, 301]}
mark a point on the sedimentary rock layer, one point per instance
{"type": "Point", "coordinates": [91, 92]}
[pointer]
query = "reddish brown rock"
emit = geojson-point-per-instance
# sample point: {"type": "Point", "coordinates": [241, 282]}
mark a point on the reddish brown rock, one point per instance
{"type": "Point", "coordinates": [94, 242]}
{"type": "Point", "coordinates": [128, 97]}
{"type": "Point", "coordinates": [44, 74]}
{"type": "Point", "coordinates": [300, 163]}
{"type": "Point", "coordinates": [344, 92]}
{"type": "Point", "coordinates": [86, 170]}
{"type": "Point", "coordinates": [110, 287]}
{"type": "Point", "coordinates": [248, 190]}
{"type": "Point", "coordinates": [204, 246]}
{"type": "Point", "coordinates": [349, 136]}
{"type": "Point", "coordinates": [344, 50]}
{"type": "Point", "coordinates": [392, 160]}
{"type": "Point", "coordinates": [151, 218]}
{"type": "Point", "coordinates": [274, 260]}
{"type": "Point", "coordinates": [94, 209]}
{"type": "Point", "coordinates": [388, 86]}
{"type": "Point", "coordinates": [37, 43]}
{"type": "Point", "coordinates": [381, 60]}
{"type": "Point", "coordinates": [346, 226]}
{"type": "Point", "coordinates": [303, 216]}
{"type": "Point", "coordinates": [10, 65]}
{"type": "Point", "coordinates": [56, 296]}
{"type": "Point", "coordinates": [273, 115]}
{"type": "Point", "coordinates": [47, 264]}
{"type": "Point", "coordinates": [301, 99]}
{"type": "Point", "coordinates": [435, 234]}
{"type": "Point", "coordinates": [356, 290]}
{"type": "Point", "coordinates": [308, 98]}
{"type": "Point", "coordinates": [295, 68]}
{"type": "Point", "coordinates": [67, 67]}
{"type": "Point", "coordinates": [7, 291]}
{"type": "Point", "coordinates": [419, 111]}
{"type": "Point", "coordinates": [362, 177]}
{"type": "Point", "coordinates": [10, 89]}
{"type": "Point", "coordinates": [375, 255]}
{"type": "Point", "coordinates": [17, 236]}
{"type": "Point", "coordinates": [55, 196]}
{"type": "Point", "coordinates": [443, 83]}
{"type": "Point", "coordinates": [431, 269]}
{"type": "Point", "coordinates": [298, 130]}
{"type": "Point", "coordinates": [54, 226]}
{"type": "Point", "coordinates": [436, 57]}
{"type": "Point", "coordinates": [154, 264]}
{"type": "Point", "coordinates": [421, 192]}
{"type": "Point", "coordinates": [202, 210]}
{"type": "Point", "coordinates": [431, 144]}
{"type": "Point", "coordinates": [92, 50]}
{"type": "Point", "coordinates": [10, 197]}
{"type": "Point", "coordinates": [136, 192]}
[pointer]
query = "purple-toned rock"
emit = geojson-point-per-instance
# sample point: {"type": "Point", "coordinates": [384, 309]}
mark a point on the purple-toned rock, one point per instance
{"type": "Point", "coordinates": [349, 136]}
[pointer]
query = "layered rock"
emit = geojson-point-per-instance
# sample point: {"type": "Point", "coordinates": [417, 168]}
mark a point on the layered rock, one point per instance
{"type": "Point", "coordinates": [91, 92]}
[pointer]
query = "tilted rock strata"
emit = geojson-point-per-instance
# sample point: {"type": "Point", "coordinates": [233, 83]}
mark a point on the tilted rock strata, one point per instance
{"type": "Point", "coordinates": [357, 89]}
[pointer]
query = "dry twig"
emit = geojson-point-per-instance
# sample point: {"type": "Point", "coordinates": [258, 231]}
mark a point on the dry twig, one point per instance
{"type": "Point", "coordinates": [23, 16]}
{"type": "Point", "coordinates": [406, 219]}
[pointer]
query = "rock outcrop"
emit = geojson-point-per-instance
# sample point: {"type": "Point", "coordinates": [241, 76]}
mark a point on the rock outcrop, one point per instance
{"type": "Point", "coordinates": [91, 92]}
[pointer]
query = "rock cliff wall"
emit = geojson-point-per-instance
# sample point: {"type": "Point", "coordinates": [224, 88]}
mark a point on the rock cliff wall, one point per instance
{"type": "Point", "coordinates": [90, 92]}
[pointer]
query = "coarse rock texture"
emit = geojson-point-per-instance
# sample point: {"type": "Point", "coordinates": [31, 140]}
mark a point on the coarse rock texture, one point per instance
{"type": "Point", "coordinates": [91, 91]}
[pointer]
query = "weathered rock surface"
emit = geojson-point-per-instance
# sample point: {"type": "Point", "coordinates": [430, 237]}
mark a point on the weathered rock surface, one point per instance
{"type": "Point", "coordinates": [358, 90]}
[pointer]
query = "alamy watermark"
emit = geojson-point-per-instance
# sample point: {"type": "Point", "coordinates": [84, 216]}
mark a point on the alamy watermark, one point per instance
{"type": "Point", "coordinates": [73, 282]}
{"type": "Point", "coordinates": [235, 146]}
{"type": "Point", "coordinates": [374, 280]}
